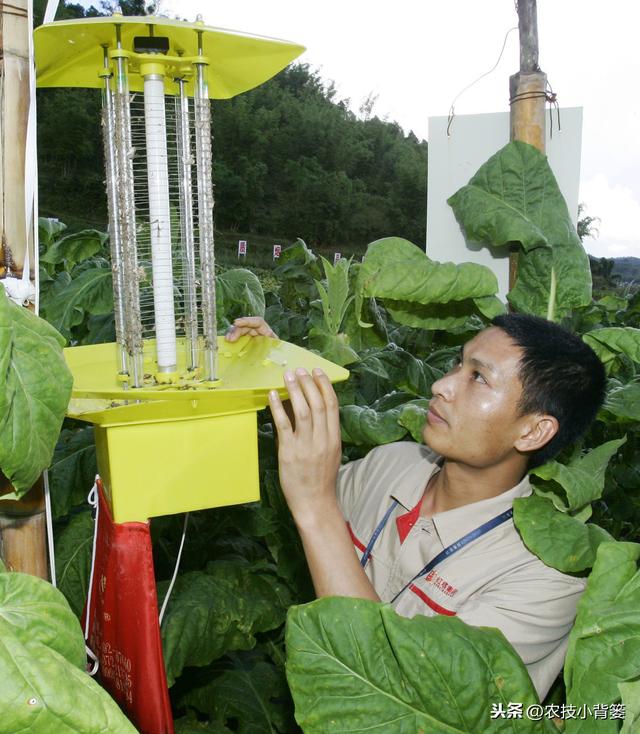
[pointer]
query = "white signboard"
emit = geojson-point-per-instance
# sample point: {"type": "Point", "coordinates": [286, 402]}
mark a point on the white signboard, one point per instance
{"type": "Point", "coordinates": [277, 249]}
{"type": "Point", "coordinates": [242, 248]}
{"type": "Point", "coordinates": [453, 160]}
{"type": "Point", "coordinates": [336, 257]}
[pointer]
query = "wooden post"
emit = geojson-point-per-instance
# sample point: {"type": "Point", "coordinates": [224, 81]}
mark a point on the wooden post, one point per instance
{"type": "Point", "coordinates": [527, 94]}
{"type": "Point", "coordinates": [22, 523]}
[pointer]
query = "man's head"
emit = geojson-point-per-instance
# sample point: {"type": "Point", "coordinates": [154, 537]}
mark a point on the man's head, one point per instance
{"type": "Point", "coordinates": [524, 387]}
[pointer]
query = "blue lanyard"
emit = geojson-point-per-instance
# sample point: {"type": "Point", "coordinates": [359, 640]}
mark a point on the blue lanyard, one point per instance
{"type": "Point", "coordinates": [376, 532]}
{"type": "Point", "coordinates": [448, 551]}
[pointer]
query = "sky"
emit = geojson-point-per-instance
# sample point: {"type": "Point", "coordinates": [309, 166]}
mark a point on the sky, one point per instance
{"type": "Point", "coordinates": [417, 55]}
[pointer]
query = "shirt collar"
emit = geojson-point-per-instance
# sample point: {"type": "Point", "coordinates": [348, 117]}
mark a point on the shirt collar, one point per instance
{"type": "Point", "coordinates": [410, 490]}
{"type": "Point", "coordinates": [455, 524]}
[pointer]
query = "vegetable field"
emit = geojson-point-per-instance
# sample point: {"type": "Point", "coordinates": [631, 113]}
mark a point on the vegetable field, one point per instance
{"type": "Point", "coordinates": [246, 648]}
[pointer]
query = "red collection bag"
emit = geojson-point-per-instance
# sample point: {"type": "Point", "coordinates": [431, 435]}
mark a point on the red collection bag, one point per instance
{"type": "Point", "coordinates": [124, 632]}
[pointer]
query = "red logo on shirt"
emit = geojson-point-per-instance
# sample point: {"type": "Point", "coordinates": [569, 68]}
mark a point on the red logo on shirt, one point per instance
{"type": "Point", "coordinates": [434, 578]}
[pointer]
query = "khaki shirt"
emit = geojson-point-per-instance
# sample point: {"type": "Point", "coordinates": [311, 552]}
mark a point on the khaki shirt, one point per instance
{"type": "Point", "coordinates": [492, 582]}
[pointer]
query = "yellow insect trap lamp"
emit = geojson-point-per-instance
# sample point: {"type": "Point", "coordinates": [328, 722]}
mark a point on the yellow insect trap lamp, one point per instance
{"type": "Point", "coordinates": [174, 405]}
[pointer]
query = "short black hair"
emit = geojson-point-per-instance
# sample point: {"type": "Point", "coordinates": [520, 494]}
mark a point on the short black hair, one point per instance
{"type": "Point", "coordinates": [560, 375]}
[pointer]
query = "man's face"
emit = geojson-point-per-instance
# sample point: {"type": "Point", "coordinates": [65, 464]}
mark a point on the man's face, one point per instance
{"type": "Point", "coordinates": [473, 416]}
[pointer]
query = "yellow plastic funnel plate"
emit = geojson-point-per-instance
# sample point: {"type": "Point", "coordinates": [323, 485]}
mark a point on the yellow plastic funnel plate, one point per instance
{"type": "Point", "coordinates": [169, 449]}
{"type": "Point", "coordinates": [69, 53]}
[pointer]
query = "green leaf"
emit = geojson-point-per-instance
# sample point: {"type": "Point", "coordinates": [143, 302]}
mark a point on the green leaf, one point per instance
{"type": "Point", "coordinates": [73, 560]}
{"type": "Point", "coordinates": [241, 293]}
{"type": "Point", "coordinates": [37, 614]}
{"type": "Point", "coordinates": [335, 297]}
{"type": "Point", "coordinates": [397, 270]}
{"type": "Point", "coordinates": [255, 694]}
{"type": "Point", "coordinates": [604, 644]}
{"type": "Point", "coordinates": [69, 299]}
{"type": "Point", "coordinates": [434, 316]}
{"type": "Point", "coordinates": [35, 386]}
{"type": "Point", "coordinates": [356, 665]}
{"type": "Point", "coordinates": [413, 418]}
{"type": "Point", "coordinates": [42, 693]}
{"type": "Point", "coordinates": [365, 426]}
{"type": "Point", "coordinates": [73, 469]}
{"type": "Point", "coordinates": [217, 611]}
{"type": "Point", "coordinates": [624, 402]}
{"type": "Point", "coordinates": [609, 343]}
{"type": "Point", "coordinates": [514, 197]}
{"type": "Point", "coordinates": [490, 306]}
{"type": "Point", "coordinates": [630, 693]}
{"type": "Point", "coordinates": [334, 347]}
{"type": "Point", "coordinates": [48, 230]}
{"type": "Point", "coordinates": [75, 248]}
{"type": "Point", "coordinates": [509, 199]}
{"type": "Point", "coordinates": [559, 540]}
{"type": "Point", "coordinates": [581, 481]}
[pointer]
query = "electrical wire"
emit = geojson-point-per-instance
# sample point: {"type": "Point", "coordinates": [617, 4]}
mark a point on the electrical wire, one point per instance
{"type": "Point", "coordinates": [482, 76]}
{"type": "Point", "coordinates": [175, 571]}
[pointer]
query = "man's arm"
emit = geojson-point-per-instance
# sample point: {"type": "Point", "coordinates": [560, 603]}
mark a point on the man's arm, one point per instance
{"type": "Point", "coordinates": [309, 459]}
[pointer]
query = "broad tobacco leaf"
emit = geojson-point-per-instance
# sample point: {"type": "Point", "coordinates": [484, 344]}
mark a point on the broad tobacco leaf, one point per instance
{"type": "Point", "coordinates": [75, 248]}
{"type": "Point", "coordinates": [397, 271]}
{"type": "Point", "coordinates": [48, 230]}
{"type": "Point", "coordinates": [252, 692]}
{"type": "Point", "coordinates": [630, 693]}
{"type": "Point", "coordinates": [623, 402]}
{"type": "Point", "coordinates": [240, 292]}
{"type": "Point", "coordinates": [438, 316]}
{"type": "Point", "coordinates": [413, 418]}
{"type": "Point", "coordinates": [604, 644]}
{"type": "Point", "coordinates": [73, 469]}
{"type": "Point", "coordinates": [610, 343]}
{"type": "Point", "coordinates": [356, 665]}
{"type": "Point", "coordinates": [365, 426]}
{"type": "Point", "coordinates": [42, 658]}
{"type": "Point", "coordinates": [35, 386]}
{"type": "Point", "coordinates": [70, 298]}
{"type": "Point", "coordinates": [514, 198]}
{"type": "Point", "coordinates": [576, 485]}
{"type": "Point", "coordinates": [558, 539]}
{"type": "Point", "coordinates": [219, 610]}
{"type": "Point", "coordinates": [334, 347]}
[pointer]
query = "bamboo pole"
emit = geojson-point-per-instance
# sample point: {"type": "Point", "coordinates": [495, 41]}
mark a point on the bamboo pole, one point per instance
{"type": "Point", "coordinates": [22, 523]}
{"type": "Point", "coordinates": [527, 96]}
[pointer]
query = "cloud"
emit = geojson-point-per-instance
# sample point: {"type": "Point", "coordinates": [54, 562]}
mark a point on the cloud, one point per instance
{"type": "Point", "coordinates": [618, 209]}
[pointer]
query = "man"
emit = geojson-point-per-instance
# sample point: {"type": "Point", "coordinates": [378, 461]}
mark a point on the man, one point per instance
{"type": "Point", "coordinates": [524, 388]}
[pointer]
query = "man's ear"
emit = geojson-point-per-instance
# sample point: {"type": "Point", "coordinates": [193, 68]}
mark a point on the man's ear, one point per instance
{"type": "Point", "coordinates": [537, 431]}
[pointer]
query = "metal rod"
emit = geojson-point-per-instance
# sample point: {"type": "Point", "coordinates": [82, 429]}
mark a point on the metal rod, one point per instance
{"type": "Point", "coordinates": [186, 224]}
{"type": "Point", "coordinates": [205, 217]}
{"type": "Point", "coordinates": [127, 213]}
{"type": "Point", "coordinates": [160, 221]}
{"type": "Point", "coordinates": [114, 228]}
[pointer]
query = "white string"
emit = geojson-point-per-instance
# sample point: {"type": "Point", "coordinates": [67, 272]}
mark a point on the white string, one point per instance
{"type": "Point", "coordinates": [475, 81]}
{"type": "Point", "coordinates": [48, 518]}
{"type": "Point", "coordinates": [92, 499]}
{"type": "Point", "coordinates": [175, 571]}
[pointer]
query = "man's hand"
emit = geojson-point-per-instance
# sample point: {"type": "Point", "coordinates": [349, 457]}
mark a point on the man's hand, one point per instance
{"type": "Point", "coordinates": [309, 448]}
{"type": "Point", "coordinates": [252, 325]}
{"type": "Point", "coordinates": [309, 451]}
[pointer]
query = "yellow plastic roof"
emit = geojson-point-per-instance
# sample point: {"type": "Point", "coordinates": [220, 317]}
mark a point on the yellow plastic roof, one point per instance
{"type": "Point", "coordinates": [69, 53]}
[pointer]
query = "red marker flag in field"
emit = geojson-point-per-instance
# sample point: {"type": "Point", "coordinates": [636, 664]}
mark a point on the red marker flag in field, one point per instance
{"type": "Point", "coordinates": [123, 622]}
